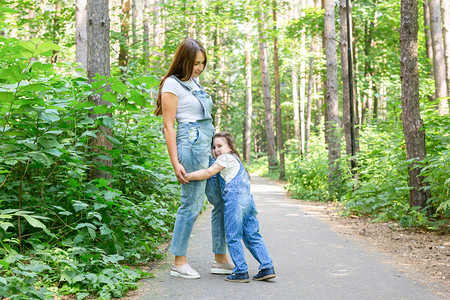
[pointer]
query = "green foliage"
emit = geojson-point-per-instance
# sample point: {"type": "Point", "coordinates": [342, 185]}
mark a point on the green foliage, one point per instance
{"type": "Point", "coordinates": [62, 232]}
{"type": "Point", "coordinates": [382, 189]}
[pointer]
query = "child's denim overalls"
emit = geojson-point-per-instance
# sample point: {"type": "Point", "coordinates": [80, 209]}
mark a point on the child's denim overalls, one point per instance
{"type": "Point", "coordinates": [194, 141]}
{"type": "Point", "coordinates": [241, 222]}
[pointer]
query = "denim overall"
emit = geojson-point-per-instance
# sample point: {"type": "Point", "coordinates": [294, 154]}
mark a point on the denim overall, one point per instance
{"type": "Point", "coordinates": [241, 222]}
{"type": "Point", "coordinates": [194, 141]}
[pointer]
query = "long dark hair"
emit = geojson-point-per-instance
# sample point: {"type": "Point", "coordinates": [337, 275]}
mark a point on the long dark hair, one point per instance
{"type": "Point", "coordinates": [230, 142]}
{"type": "Point", "coordinates": [181, 66]}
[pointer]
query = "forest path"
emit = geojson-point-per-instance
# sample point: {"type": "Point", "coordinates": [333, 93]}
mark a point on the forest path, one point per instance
{"type": "Point", "coordinates": [311, 261]}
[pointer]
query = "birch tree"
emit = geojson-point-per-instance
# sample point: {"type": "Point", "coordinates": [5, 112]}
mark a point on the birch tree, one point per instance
{"type": "Point", "coordinates": [438, 56]}
{"type": "Point", "coordinates": [332, 109]}
{"type": "Point", "coordinates": [81, 33]}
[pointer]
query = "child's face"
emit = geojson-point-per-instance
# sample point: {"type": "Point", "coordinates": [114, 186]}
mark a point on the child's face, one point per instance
{"type": "Point", "coordinates": [220, 146]}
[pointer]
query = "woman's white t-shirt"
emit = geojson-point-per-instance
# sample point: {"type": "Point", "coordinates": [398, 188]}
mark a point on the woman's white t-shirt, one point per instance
{"type": "Point", "coordinates": [231, 166]}
{"type": "Point", "coordinates": [189, 108]}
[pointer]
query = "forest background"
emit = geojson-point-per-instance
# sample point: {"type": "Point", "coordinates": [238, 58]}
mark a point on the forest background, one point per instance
{"type": "Point", "coordinates": [87, 190]}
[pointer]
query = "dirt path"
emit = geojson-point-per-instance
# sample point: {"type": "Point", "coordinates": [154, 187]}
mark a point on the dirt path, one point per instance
{"type": "Point", "coordinates": [316, 256]}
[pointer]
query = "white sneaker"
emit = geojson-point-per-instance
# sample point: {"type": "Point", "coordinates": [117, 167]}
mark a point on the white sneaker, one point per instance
{"type": "Point", "coordinates": [218, 268]}
{"type": "Point", "coordinates": [185, 271]}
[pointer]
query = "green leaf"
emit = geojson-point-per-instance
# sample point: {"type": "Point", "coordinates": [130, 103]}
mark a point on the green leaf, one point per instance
{"type": "Point", "coordinates": [78, 205]}
{"type": "Point", "coordinates": [6, 225]}
{"type": "Point", "coordinates": [34, 222]}
{"type": "Point", "coordinates": [49, 143]}
{"type": "Point", "coordinates": [54, 152]}
{"type": "Point", "coordinates": [119, 87]}
{"type": "Point", "coordinates": [108, 122]}
{"type": "Point", "coordinates": [6, 97]}
{"type": "Point", "coordinates": [112, 140]}
{"type": "Point", "coordinates": [41, 158]}
{"type": "Point", "coordinates": [35, 87]}
{"type": "Point", "coordinates": [46, 46]}
{"type": "Point", "coordinates": [110, 97]}
{"type": "Point", "coordinates": [102, 182]}
{"type": "Point", "coordinates": [83, 225]}
{"type": "Point", "coordinates": [6, 148]}
{"type": "Point", "coordinates": [98, 84]}
{"type": "Point", "coordinates": [100, 109]}
{"type": "Point", "coordinates": [92, 233]}
{"type": "Point", "coordinates": [138, 98]}
{"type": "Point", "coordinates": [4, 264]}
{"type": "Point", "coordinates": [49, 116]}
{"type": "Point", "coordinates": [149, 81]}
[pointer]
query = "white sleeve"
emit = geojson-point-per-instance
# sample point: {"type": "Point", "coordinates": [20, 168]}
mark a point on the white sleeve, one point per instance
{"type": "Point", "coordinates": [225, 160]}
{"type": "Point", "coordinates": [171, 86]}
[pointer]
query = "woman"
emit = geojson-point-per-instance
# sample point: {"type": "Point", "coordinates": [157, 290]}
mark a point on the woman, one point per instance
{"type": "Point", "coordinates": [181, 98]}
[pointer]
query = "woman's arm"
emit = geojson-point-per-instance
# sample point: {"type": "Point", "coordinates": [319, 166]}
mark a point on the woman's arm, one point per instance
{"type": "Point", "coordinates": [204, 173]}
{"type": "Point", "coordinates": [169, 107]}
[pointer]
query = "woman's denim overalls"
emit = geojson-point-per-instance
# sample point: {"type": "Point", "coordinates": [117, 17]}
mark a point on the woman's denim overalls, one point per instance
{"type": "Point", "coordinates": [241, 222]}
{"type": "Point", "coordinates": [194, 141]}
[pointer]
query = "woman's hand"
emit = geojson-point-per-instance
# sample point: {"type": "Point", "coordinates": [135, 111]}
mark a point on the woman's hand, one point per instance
{"type": "Point", "coordinates": [180, 173]}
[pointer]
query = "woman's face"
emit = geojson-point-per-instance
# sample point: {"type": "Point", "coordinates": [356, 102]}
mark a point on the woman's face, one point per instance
{"type": "Point", "coordinates": [199, 64]}
{"type": "Point", "coordinates": [220, 146]}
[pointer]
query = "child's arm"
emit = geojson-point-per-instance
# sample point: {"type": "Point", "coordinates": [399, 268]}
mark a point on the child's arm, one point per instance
{"type": "Point", "coordinates": [204, 173]}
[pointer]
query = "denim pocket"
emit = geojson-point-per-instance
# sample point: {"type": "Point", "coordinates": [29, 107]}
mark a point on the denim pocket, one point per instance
{"type": "Point", "coordinates": [193, 134]}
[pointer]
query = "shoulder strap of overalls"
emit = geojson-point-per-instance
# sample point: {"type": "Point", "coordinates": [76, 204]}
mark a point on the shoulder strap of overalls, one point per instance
{"type": "Point", "coordinates": [182, 84]}
{"type": "Point", "coordinates": [197, 84]}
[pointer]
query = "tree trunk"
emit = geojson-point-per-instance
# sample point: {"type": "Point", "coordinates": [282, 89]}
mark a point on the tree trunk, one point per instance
{"type": "Point", "coordinates": [445, 12]}
{"type": "Point", "coordinates": [412, 124]}
{"type": "Point", "coordinates": [294, 75]}
{"type": "Point", "coordinates": [280, 141]}
{"type": "Point", "coordinates": [248, 94]}
{"type": "Point", "coordinates": [438, 56]}
{"type": "Point", "coordinates": [98, 61]}
{"type": "Point", "coordinates": [428, 44]}
{"type": "Point", "coordinates": [267, 96]}
{"type": "Point", "coordinates": [81, 34]}
{"type": "Point", "coordinates": [332, 110]}
{"type": "Point", "coordinates": [134, 41]}
{"type": "Point", "coordinates": [309, 97]}
{"type": "Point", "coordinates": [345, 76]}
{"type": "Point", "coordinates": [147, 6]}
{"type": "Point", "coordinates": [303, 56]}
{"type": "Point", "coordinates": [124, 28]}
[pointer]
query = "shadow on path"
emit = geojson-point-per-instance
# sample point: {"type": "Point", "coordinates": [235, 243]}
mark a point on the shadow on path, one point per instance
{"type": "Point", "coordinates": [311, 261]}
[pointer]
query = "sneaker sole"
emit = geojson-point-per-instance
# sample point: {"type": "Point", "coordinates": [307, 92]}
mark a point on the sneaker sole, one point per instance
{"type": "Point", "coordinates": [176, 274]}
{"type": "Point", "coordinates": [238, 280]}
{"type": "Point", "coordinates": [270, 276]}
{"type": "Point", "coordinates": [221, 271]}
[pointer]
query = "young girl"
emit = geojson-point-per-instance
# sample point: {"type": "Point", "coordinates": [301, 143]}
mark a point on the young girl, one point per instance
{"type": "Point", "coordinates": [240, 211]}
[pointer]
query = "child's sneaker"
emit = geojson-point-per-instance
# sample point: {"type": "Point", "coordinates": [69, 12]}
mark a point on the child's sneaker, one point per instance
{"type": "Point", "coordinates": [238, 277]}
{"type": "Point", "coordinates": [265, 274]}
{"type": "Point", "coordinates": [218, 268]}
{"type": "Point", "coordinates": [185, 271]}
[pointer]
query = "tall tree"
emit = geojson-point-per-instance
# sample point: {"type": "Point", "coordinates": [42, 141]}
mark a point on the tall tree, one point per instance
{"type": "Point", "coordinates": [332, 104]}
{"type": "Point", "coordinates": [248, 90]}
{"type": "Point", "coordinates": [280, 140]}
{"type": "Point", "coordinates": [438, 56]}
{"type": "Point", "coordinates": [98, 62]}
{"type": "Point", "coordinates": [81, 34]}
{"type": "Point", "coordinates": [412, 123]}
{"type": "Point", "coordinates": [428, 45]}
{"type": "Point", "coordinates": [345, 75]}
{"type": "Point", "coordinates": [303, 56]}
{"type": "Point", "coordinates": [268, 117]}
{"type": "Point", "coordinates": [124, 30]}
{"type": "Point", "coordinates": [445, 12]}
